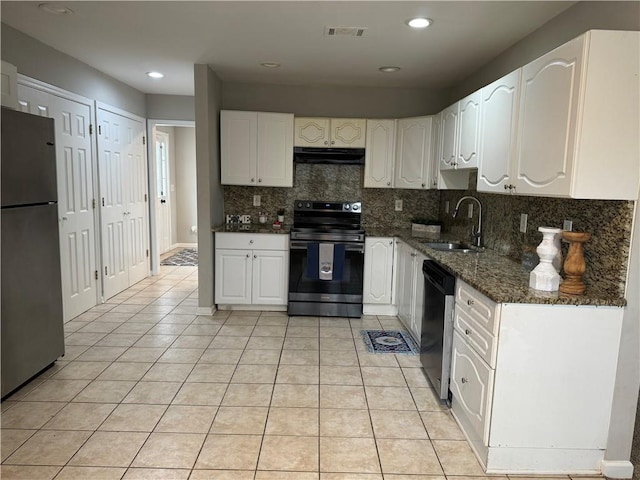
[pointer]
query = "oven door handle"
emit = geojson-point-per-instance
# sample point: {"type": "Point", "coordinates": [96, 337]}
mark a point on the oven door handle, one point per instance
{"type": "Point", "coordinates": [347, 246]}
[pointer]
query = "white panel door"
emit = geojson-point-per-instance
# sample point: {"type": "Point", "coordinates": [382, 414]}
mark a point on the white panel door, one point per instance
{"type": "Point", "coordinates": [76, 210]}
{"type": "Point", "coordinates": [113, 204]}
{"type": "Point", "coordinates": [163, 210]}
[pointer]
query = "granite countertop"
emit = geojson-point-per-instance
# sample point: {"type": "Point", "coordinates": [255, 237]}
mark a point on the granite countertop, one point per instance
{"type": "Point", "coordinates": [250, 228]}
{"type": "Point", "coordinates": [498, 277]}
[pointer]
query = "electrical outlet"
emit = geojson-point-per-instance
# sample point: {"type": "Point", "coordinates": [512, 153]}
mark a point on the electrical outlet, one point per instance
{"type": "Point", "coordinates": [256, 200]}
{"type": "Point", "coordinates": [446, 206]}
{"type": "Point", "coordinates": [398, 205]}
{"type": "Point", "coordinates": [470, 214]}
{"type": "Point", "coordinates": [523, 222]}
{"type": "Point", "coordinates": [567, 225]}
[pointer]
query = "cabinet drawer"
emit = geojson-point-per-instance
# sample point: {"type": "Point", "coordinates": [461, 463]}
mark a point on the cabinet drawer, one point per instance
{"type": "Point", "coordinates": [257, 241]}
{"type": "Point", "coordinates": [482, 310]}
{"type": "Point", "coordinates": [471, 388]}
{"type": "Point", "coordinates": [483, 342]}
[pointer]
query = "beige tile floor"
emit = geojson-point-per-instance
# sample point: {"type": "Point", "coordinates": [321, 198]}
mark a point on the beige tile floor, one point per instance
{"type": "Point", "coordinates": [148, 389]}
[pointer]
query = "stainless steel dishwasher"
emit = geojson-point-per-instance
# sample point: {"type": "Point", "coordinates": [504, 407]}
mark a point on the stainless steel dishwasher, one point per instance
{"type": "Point", "coordinates": [437, 326]}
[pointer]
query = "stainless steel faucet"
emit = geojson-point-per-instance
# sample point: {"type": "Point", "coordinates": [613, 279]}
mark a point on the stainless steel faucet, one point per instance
{"type": "Point", "coordinates": [476, 233]}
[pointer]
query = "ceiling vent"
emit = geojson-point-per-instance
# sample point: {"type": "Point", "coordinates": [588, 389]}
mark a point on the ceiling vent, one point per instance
{"type": "Point", "coordinates": [344, 31]}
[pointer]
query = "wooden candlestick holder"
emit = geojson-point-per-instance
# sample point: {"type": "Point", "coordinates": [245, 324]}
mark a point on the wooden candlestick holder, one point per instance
{"type": "Point", "coordinates": [574, 265]}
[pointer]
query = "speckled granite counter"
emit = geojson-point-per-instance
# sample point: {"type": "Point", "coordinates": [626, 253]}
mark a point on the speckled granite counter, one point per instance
{"type": "Point", "coordinates": [250, 228]}
{"type": "Point", "coordinates": [498, 277]}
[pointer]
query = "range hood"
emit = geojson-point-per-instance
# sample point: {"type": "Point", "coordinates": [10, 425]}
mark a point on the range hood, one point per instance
{"type": "Point", "coordinates": [335, 156]}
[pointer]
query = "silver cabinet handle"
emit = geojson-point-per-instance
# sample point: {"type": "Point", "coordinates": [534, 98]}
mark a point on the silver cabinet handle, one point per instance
{"type": "Point", "coordinates": [470, 302]}
{"type": "Point", "coordinates": [464, 380]}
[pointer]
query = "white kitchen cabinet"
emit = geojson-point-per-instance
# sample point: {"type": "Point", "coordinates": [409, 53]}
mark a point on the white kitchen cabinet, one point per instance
{"type": "Point", "coordinates": [380, 153]}
{"type": "Point", "coordinates": [251, 269]}
{"type": "Point", "coordinates": [498, 134]}
{"type": "Point", "coordinates": [447, 179]}
{"type": "Point", "coordinates": [578, 120]}
{"type": "Point", "coordinates": [532, 384]}
{"type": "Point", "coordinates": [330, 132]}
{"type": "Point", "coordinates": [378, 276]}
{"type": "Point", "coordinates": [414, 153]}
{"type": "Point", "coordinates": [459, 134]}
{"type": "Point", "coordinates": [410, 288]}
{"type": "Point", "coordinates": [9, 85]}
{"type": "Point", "coordinates": [256, 148]}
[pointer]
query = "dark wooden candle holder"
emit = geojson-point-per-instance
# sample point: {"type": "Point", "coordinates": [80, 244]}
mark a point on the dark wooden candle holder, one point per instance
{"type": "Point", "coordinates": [574, 265]}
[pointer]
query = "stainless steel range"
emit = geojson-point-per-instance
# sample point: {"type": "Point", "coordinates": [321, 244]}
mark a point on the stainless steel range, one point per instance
{"type": "Point", "coordinates": [326, 259]}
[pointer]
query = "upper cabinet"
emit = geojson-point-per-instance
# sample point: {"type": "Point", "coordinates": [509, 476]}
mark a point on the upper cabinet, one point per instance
{"type": "Point", "coordinates": [578, 121]}
{"type": "Point", "coordinates": [498, 130]}
{"type": "Point", "coordinates": [256, 148]}
{"type": "Point", "coordinates": [380, 153]}
{"type": "Point", "coordinates": [330, 132]}
{"type": "Point", "coordinates": [414, 153]}
{"type": "Point", "coordinates": [459, 134]}
{"type": "Point", "coordinates": [9, 76]}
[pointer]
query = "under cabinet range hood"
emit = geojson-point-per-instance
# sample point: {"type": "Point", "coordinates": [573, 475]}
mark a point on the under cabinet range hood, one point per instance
{"type": "Point", "coordinates": [335, 156]}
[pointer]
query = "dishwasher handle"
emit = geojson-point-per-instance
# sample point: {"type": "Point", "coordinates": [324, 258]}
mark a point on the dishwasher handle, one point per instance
{"type": "Point", "coordinates": [439, 277]}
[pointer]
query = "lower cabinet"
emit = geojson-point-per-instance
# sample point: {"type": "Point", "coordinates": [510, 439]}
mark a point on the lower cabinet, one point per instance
{"type": "Point", "coordinates": [378, 276]}
{"type": "Point", "coordinates": [532, 384]}
{"type": "Point", "coordinates": [410, 288]}
{"type": "Point", "coordinates": [251, 269]}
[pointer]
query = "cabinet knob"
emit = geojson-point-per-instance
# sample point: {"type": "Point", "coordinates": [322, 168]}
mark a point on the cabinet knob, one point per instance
{"type": "Point", "coordinates": [388, 183]}
{"type": "Point", "coordinates": [507, 187]}
{"type": "Point", "coordinates": [470, 302]}
{"type": "Point", "coordinates": [333, 142]}
{"type": "Point", "coordinates": [250, 241]}
{"type": "Point", "coordinates": [248, 255]}
{"type": "Point", "coordinates": [424, 184]}
{"type": "Point", "coordinates": [467, 332]}
{"type": "Point", "coordinates": [390, 242]}
{"type": "Point", "coordinates": [255, 256]}
{"type": "Point", "coordinates": [464, 380]}
{"type": "Point", "coordinates": [259, 180]}
{"type": "Point", "coordinates": [253, 180]}
{"type": "Point", "coordinates": [413, 254]}
{"type": "Point", "coordinates": [326, 143]}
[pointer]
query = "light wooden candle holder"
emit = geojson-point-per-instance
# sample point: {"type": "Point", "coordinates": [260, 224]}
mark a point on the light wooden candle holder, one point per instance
{"type": "Point", "coordinates": [574, 266]}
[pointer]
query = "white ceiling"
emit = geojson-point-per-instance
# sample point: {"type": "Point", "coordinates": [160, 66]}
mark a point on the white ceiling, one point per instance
{"type": "Point", "coordinates": [127, 39]}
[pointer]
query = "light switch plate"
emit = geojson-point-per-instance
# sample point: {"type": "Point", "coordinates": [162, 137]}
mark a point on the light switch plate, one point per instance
{"type": "Point", "coordinates": [256, 200]}
{"type": "Point", "coordinates": [446, 206]}
{"type": "Point", "coordinates": [398, 205]}
{"type": "Point", "coordinates": [523, 222]}
{"type": "Point", "coordinates": [567, 225]}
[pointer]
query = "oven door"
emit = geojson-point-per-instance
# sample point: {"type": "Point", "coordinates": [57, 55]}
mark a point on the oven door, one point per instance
{"type": "Point", "coordinates": [346, 289]}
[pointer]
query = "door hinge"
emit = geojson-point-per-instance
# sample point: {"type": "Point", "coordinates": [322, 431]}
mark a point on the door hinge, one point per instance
{"type": "Point", "coordinates": [144, 140]}
{"type": "Point", "coordinates": [147, 252]}
{"type": "Point", "coordinates": [96, 274]}
{"type": "Point", "coordinates": [93, 203]}
{"type": "Point", "coordinates": [99, 130]}
{"type": "Point", "coordinates": [105, 271]}
{"type": "Point", "coordinates": [90, 129]}
{"type": "Point", "coordinates": [145, 197]}
{"type": "Point", "coordinates": [103, 201]}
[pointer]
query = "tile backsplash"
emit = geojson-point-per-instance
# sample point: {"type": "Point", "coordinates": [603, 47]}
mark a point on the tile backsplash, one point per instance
{"type": "Point", "coordinates": [609, 222]}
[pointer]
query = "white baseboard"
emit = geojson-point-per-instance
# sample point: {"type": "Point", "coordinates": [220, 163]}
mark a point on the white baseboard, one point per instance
{"type": "Point", "coordinates": [264, 308]}
{"type": "Point", "coordinates": [206, 310]}
{"type": "Point", "coordinates": [374, 309]}
{"type": "Point", "coordinates": [617, 469]}
{"type": "Point", "coordinates": [184, 245]}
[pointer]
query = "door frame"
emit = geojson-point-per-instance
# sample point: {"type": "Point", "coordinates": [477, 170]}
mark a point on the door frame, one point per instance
{"type": "Point", "coordinates": [168, 197]}
{"type": "Point", "coordinates": [74, 97]}
{"type": "Point", "coordinates": [152, 187]}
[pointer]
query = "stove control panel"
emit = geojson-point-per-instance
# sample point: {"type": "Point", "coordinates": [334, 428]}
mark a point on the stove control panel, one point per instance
{"type": "Point", "coordinates": [355, 207]}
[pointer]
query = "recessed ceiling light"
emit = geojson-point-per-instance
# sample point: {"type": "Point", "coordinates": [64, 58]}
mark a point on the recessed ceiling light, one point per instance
{"type": "Point", "coordinates": [389, 69]}
{"type": "Point", "coordinates": [155, 74]}
{"type": "Point", "coordinates": [419, 22]}
{"type": "Point", "coordinates": [270, 65]}
{"type": "Point", "coordinates": [55, 8]}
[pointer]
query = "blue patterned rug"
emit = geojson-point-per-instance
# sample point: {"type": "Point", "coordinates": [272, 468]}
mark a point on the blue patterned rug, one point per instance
{"type": "Point", "coordinates": [187, 257]}
{"type": "Point", "coordinates": [389, 341]}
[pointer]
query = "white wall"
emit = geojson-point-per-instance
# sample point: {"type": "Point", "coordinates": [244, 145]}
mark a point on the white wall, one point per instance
{"type": "Point", "coordinates": [185, 184]}
{"type": "Point", "coordinates": [170, 107]}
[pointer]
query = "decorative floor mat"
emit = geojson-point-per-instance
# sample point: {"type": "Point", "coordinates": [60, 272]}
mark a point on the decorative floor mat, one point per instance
{"type": "Point", "coordinates": [187, 257]}
{"type": "Point", "coordinates": [389, 341]}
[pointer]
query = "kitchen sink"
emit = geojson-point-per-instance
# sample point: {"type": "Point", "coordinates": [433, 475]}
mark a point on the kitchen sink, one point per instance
{"type": "Point", "coordinates": [458, 247]}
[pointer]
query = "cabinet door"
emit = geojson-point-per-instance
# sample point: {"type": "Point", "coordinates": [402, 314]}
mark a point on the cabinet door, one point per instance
{"type": "Point", "coordinates": [498, 133]}
{"type": "Point", "coordinates": [471, 387]}
{"type": "Point", "coordinates": [238, 147]}
{"type": "Point", "coordinates": [547, 121]}
{"type": "Point", "coordinates": [413, 152]}
{"type": "Point", "coordinates": [9, 76]}
{"type": "Point", "coordinates": [311, 132]}
{"type": "Point", "coordinates": [378, 270]}
{"type": "Point", "coordinates": [448, 137]}
{"type": "Point", "coordinates": [269, 277]}
{"type": "Point", "coordinates": [417, 290]}
{"type": "Point", "coordinates": [233, 276]}
{"type": "Point", "coordinates": [348, 132]}
{"type": "Point", "coordinates": [403, 286]}
{"type": "Point", "coordinates": [380, 153]}
{"type": "Point", "coordinates": [275, 150]}
{"type": "Point", "coordinates": [469, 131]}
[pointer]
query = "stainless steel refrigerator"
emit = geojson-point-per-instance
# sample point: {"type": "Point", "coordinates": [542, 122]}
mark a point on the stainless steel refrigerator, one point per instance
{"type": "Point", "coordinates": [31, 303]}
